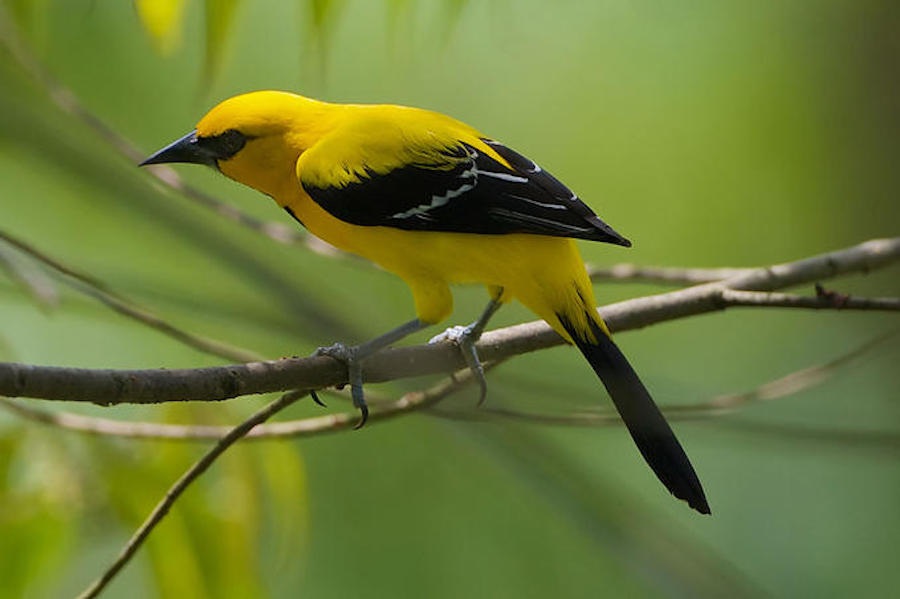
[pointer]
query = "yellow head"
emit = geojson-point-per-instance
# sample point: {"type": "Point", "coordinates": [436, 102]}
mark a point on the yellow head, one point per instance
{"type": "Point", "coordinates": [254, 138]}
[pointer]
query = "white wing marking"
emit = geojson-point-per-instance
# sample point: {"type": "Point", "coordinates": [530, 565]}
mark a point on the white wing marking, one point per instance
{"type": "Point", "coordinates": [440, 200]}
{"type": "Point", "coordinates": [503, 176]}
{"type": "Point", "coordinates": [536, 203]}
{"type": "Point", "coordinates": [528, 218]}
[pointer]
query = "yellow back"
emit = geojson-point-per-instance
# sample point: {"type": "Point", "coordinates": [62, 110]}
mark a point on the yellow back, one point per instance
{"type": "Point", "coordinates": [282, 126]}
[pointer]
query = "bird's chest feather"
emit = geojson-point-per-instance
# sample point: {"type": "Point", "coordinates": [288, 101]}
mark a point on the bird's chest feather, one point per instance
{"type": "Point", "coordinates": [450, 257]}
{"type": "Point", "coordinates": [392, 249]}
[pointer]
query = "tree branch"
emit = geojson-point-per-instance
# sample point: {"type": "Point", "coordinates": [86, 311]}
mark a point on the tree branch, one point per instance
{"type": "Point", "coordinates": [380, 410]}
{"type": "Point", "coordinates": [665, 275]}
{"type": "Point", "coordinates": [162, 508]}
{"type": "Point", "coordinates": [784, 386]}
{"type": "Point", "coordinates": [107, 387]}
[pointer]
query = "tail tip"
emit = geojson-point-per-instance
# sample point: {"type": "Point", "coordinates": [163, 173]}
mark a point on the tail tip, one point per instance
{"type": "Point", "coordinates": [697, 501]}
{"type": "Point", "coordinates": [701, 506]}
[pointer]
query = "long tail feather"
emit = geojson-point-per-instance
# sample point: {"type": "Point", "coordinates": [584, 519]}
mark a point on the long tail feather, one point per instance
{"type": "Point", "coordinates": [648, 427]}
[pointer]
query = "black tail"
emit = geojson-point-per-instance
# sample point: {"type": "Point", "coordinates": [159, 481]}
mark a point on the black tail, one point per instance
{"type": "Point", "coordinates": [648, 427]}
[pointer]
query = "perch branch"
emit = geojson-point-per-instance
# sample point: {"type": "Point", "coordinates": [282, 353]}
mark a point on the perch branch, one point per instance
{"type": "Point", "coordinates": [664, 275]}
{"type": "Point", "coordinates": [304, 427]}
{"type": "Point", "coordinates": [784, 386]}
{"type": "Point", "coordinates": [217, 383]}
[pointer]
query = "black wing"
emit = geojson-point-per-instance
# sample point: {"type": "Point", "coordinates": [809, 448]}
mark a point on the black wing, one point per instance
{"type": "Point", "coordinates": [467, 192]}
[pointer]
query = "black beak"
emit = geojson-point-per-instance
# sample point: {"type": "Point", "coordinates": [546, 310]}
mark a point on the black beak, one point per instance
{"type": "Point", "coordinates": [186, 149]}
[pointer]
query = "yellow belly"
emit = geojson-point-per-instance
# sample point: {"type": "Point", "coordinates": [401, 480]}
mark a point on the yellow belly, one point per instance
{"type": "Point", "coordinates": [544, 273]}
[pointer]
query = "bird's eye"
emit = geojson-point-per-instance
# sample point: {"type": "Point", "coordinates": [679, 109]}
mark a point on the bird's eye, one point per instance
{"type": "Point", "coordinates": [230, 143]}
{"type": "Point", "coordinates": [224, 145]}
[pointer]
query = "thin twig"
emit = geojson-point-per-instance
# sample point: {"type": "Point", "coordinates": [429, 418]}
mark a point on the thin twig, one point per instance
{"type": "Point", "coordinates": [736, 297]}
{"type": "Point", "coordinates": [410, 401]}
{"type": "Point", "coordinates": [100, 291]}
{"type": "Point", "coordinates": [163, 175]}
{"type": "Point", "coordinates": [217, 383]}
{"type": "Point", "coordinates": [785, 386]}
{"type": "Point", "coordinates": [872, 439]}
{"type": "Point", "coordinates": [29, 249]}
{"type": "Point", "coordinates": [30, 279]}
{"type": "Point", "coordinates": [789, 384]}
{"type": "Point", "coordinates": [162, 508]}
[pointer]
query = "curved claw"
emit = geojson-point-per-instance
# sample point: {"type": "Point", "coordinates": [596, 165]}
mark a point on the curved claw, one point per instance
{"type": "Point", "coordinates": [350, 357]}
{"type": "Point", "coordinates": [315, 398]}
{"type": "Point", "coordinates": [465, 338]}
{"type": "Point", "coordinates": [483, 394]}
{"type": "Point", "coordinates": [363, 416]}
{"type": "Point", "coordinates": [470, 354]}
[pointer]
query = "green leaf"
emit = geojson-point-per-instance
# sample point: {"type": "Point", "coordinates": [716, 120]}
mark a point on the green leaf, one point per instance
{"type": "Point", "coordinates": [451, 14]}
{"type": "Point", "coordinates": [219, 17]}
{"type": "Point", "coordinates": [321, 18]}
{"type": "Point", "coordinates": [320, 11]}
{"type": "Point", "coordinates": [23, 12]}
{"type": "Point", "coordinates": [162, 20]}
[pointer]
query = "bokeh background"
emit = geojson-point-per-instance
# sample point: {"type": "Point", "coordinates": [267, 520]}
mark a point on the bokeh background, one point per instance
{"type": "Point", "coordinates": [711, 132]}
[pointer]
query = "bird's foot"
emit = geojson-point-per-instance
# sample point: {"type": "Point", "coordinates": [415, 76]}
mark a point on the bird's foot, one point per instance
{"type": "Point", "coordinates": [453, 334]}
{"type": "Point", "coordinates": [465, 338]}
{"type": "Point", "coordinates": [349, 356]}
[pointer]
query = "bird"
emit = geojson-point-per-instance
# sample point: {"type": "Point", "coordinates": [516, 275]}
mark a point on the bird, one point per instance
{"type": "Point", "coordinates": [434, 201]}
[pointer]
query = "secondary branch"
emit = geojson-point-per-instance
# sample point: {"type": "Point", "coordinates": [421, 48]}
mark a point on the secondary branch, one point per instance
{"type": "Point", "coordinates": [225, 382]}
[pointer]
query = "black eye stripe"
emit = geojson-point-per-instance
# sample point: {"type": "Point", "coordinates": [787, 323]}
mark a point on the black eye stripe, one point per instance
{"type": "Point", "coordinates": [225, 145]}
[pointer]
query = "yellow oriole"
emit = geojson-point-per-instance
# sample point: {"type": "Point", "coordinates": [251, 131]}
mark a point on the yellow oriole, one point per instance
{"type": "Point", "coordinates": [435, 202]}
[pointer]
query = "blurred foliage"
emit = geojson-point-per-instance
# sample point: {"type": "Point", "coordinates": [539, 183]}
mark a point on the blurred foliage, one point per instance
{"type": "Point", "coordinates": [711, 133]}
{"type": "Point", "coordinates": [219, 17]}
{"type": "Point", "coordinates": [162, 19]}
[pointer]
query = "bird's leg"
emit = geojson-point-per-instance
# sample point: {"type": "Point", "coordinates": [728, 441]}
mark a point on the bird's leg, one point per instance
{"type": "Point", "coordinates": [352, 356]}
{"type": "Point", "coordinates": [466, 337]}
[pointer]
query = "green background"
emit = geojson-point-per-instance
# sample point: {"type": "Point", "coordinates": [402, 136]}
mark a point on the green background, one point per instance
{"type": "Point", "coordinates": [712, 133]}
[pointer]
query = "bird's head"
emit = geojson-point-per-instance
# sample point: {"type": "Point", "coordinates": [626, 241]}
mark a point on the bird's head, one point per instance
{"type": "Point", "coordinates": [254, 138]}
